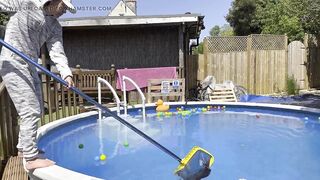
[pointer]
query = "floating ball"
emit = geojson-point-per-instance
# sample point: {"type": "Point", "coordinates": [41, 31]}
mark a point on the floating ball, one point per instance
{"type": "Point", "coordinates": [96, 158]}
{"type": "Point", "coordinates": [103, 157]}
{"type": "Point", "coordinates": [306, 118]}
{"type": "Point", "coordinates": [204, 110]}
{"type": "Point", "coordinates": [185, 113]}
{"type": "Point", "coordinates": [126, 144]}
{"type": "Point", "coordinates": [159, 114]}
{"type": "Point", "coordinates": [80, 146]}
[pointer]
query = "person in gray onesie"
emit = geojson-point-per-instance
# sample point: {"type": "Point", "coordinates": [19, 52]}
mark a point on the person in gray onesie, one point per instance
{"type": "Point", "coordinates": [33, 23]}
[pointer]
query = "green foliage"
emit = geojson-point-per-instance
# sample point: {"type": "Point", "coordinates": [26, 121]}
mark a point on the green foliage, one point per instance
{"type": "Point", "coordinates": [3, 18]}
{"type": "Point", "coordinates": [291, 17]}
{"type": "Point", "coordinates": [242, 17]}
{"type": "Point", "coordinates": [292, 87]}
{"type": "Point", "coordinates": [281, 17]}
{"type": "Point", "coordinates": [215, 31]}
{"type": "Point", "coordinates": [225, 30]}
{"type": "Point", "coordinates": [311, 16]}
{"type": "Point", "coordinates": [199, 49]}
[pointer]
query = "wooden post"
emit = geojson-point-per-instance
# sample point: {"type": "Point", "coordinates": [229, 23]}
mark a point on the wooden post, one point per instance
{"type": "Point", "coordinates": [9, 127]}
{"type": "Point", "coordinates": [79, 85]}
{"type": "Point", "coordinates": [181, 48]}
{"type": "Point", "coordinates": [2, 127]}
{"type": "Point", "coordinates": [43, 51]}
{"type": "Point", "coordinates": [205, 55]}
{"type": "Point", "coordinates": [250, 79]}
{"type": "Point", "coordinates": [286, 59]}
{"type": "Point", "coordinates": [113, 76]}
{"type": "Point", "coordinates": [56, 99]}
{"type": "Point", "coordinates": [307, 57]}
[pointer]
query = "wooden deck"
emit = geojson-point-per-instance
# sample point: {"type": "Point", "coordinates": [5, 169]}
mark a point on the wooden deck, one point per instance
{"type": "Point", "coordinates": [14, 169]}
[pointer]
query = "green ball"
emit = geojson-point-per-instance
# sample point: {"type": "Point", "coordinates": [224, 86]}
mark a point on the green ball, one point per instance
{"type": "Point", "coordinates": [80, 146]}
{"type": "Point", "coordinates": [126, 144]}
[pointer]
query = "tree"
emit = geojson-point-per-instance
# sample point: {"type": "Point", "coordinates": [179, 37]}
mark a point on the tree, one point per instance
{"type": "Point", "coordinates": [242, 17]}
{"type": "Point", "coordinates": [199, 49]}
{"type": "Point", "coordinates": [281, 17]}
{"type": "Point", "coordinates": [225, 30]}
{"type": "Point", "coordinates": [311, 16]}
{"type": "Point", "coordinates": [291, 17]}
{"type": "Point", "coordinates": [215, 31]}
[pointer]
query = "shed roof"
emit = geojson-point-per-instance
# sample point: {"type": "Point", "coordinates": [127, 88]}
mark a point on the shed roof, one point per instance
{"type": "Point", "coordinates": [194, 22]}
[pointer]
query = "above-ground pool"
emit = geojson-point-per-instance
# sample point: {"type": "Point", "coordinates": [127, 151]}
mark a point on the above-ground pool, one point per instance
{"type": "Point", "coordinates": [248, 141]}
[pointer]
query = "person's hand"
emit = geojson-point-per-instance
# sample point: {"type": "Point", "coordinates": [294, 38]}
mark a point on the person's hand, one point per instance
{"type": "Point", "coordinates": [70, 82]}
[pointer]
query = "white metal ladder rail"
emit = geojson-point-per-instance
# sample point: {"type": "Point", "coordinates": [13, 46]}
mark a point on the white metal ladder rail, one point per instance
{"type": "Point", "coordinates": [124, 78]}
{"type": "Point", "coordinates": [100, 80]}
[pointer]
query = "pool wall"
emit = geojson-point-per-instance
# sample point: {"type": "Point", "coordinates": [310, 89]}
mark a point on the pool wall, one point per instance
{"type": "Point", "coordinates": [59, 173]}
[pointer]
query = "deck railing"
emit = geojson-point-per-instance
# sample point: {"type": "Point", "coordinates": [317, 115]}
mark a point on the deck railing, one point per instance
{"type": "Point", "coordinates": [58, 103]}
{"type": "Point", "coordinates": [8, 127]}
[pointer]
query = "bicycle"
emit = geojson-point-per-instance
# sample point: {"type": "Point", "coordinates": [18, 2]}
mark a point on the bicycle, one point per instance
{"type": "Point", "coordinates": [203, 89]}
{"type": "Point", "coordinates": [201, 93]}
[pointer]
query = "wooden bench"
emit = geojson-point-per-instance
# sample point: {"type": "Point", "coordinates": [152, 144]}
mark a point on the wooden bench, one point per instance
{"type": "Point", "coordinates": [175, 93]}
{"type": "Point", "coordinates": [86, 80]}
{"type": "Point", "coordinates": [14, 169]}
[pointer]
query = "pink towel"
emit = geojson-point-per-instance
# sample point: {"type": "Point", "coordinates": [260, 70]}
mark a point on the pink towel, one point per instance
{"type": "Point", "coordinates": [141, 76]}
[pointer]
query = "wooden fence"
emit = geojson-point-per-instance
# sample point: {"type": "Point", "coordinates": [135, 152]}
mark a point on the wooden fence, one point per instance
{"type": "Point", "coordinates": [312, 45]}
{"type": "Point", "coordinates": [262, 63]}
{"type": "Point", "coordinates": [192, 64]}
{"type": "Point", "coordinates": [257, 62]}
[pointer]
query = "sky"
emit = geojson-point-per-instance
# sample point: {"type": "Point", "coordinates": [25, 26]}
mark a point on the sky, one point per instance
{"type": "Point", "coordinates": [213, 10]}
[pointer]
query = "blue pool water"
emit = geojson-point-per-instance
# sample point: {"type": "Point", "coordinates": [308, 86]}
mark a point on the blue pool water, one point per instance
{"type": "Point", "coordinates": [247, 143]}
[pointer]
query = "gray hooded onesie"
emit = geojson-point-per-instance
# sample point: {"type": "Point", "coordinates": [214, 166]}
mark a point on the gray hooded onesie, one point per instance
{"type": "Point", "coordinates": [27, 30]}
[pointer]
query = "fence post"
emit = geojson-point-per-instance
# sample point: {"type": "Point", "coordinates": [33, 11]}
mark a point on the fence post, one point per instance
{"type": "Point", "coordinates": [286, 58]}
{"type": "Point", "coordinates": [113, 76]}
{"type": "Point", "coordinates": [307, 63]}
{"type": "Point", "coordinates": [205, 56]}
{"type": "Point", "coordinates": [79, 84]}
{"type": "Point", "coordinates": [251, 88]}
{"type": "Point", "coordinates": [181, 48]}
{"type": "Point", "coordinates": [43, 51]}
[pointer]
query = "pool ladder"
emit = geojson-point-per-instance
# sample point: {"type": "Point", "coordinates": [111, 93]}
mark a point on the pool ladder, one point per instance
{"type": "Point", "coordinates": [119, 103]}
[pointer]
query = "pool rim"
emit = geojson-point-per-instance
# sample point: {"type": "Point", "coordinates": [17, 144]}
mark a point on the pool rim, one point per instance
{"type": "Point", "coordinates": [59, 173]}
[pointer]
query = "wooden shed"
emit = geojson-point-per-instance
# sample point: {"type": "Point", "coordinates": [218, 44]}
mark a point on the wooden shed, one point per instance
{"type": "Point", "coordinates": [130, 41]}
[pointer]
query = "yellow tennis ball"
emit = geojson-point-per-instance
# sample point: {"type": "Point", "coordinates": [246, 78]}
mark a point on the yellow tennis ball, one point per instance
{"type": "Point", "coordinates": [103, 157]}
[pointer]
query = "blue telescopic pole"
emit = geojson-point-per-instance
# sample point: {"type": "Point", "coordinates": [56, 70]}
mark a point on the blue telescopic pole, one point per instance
{"type": "Point", "coordinates": [89, 99]}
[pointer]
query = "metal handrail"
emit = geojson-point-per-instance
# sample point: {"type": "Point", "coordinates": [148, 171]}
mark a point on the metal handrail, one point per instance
{"type": "Point", "coordinates": [124, 78]}
{"type": "Point", "coordinates": [101, 80]}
